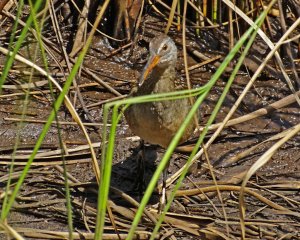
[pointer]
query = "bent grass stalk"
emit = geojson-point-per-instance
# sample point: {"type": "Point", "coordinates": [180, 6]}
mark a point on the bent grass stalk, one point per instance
{"type": "Point", "coordinates": [7, 67]}
{"type": "Point", "coordinates": [237, 47]}
{"type": "Point", "coordinates": [5, 211]}
{"type": "Point", "coordinates": [107, 154]}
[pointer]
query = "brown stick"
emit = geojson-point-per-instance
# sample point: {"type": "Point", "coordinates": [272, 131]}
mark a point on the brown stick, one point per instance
{"type": "Point", "coordinates": [2, 4]}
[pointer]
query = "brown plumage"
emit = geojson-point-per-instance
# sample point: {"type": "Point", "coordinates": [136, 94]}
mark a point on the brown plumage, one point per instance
{"type": "Point", "coordinates": [158, 122]}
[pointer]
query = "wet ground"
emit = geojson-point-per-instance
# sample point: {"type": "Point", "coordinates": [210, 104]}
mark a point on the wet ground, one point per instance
{"type": "Point", "coordinates": [41, 202]}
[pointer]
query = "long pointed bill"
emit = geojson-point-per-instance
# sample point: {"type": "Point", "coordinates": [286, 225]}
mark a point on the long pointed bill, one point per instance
{"type": "Point", "coordinates": [152, 62]}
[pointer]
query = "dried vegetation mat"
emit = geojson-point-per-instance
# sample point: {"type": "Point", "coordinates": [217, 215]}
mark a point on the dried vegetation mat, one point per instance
{"type": "Point", "coordinates": [62, 61]}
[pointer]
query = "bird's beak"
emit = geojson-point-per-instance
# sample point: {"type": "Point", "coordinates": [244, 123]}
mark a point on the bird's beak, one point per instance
{"type": "Point", "coordinates": [152, 62]}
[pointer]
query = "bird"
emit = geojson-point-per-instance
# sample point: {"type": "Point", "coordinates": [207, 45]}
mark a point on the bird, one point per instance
{"type": "Point", "coordinates": [157, 122]}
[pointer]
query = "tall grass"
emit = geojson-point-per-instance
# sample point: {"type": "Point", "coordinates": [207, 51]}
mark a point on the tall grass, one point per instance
{"type": "Point", "coordinates": [9, 199]}
{"type": "Point", "coordinates": [201, 93]}
{"type": "Point", "coordinates": [116, 109]}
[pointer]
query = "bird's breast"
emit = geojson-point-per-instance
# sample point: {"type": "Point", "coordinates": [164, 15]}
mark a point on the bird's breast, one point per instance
{"type": "Point", "coordinates": [158, 122]}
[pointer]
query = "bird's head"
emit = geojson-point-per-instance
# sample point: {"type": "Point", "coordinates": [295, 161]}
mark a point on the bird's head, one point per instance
{"type": "Point", "coordinates": [163, 54]}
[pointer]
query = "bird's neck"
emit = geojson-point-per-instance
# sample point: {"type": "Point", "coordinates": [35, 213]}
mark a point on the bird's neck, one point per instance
{"type": "Point", "coordinates": [159, 81]}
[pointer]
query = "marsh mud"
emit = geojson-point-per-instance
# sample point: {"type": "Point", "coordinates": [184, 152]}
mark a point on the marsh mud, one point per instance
{"type": "Point", "coordinates": [41, 205]}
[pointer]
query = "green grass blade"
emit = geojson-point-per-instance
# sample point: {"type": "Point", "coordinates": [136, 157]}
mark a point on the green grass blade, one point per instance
{"type": "Point", "coordinates": [213, 115]}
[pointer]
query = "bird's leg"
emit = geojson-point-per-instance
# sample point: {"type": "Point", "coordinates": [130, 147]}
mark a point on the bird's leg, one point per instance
{"type": "Point", "coordinates": [163, 198]}
{"type": "Point", "coordinates": [140, 179]}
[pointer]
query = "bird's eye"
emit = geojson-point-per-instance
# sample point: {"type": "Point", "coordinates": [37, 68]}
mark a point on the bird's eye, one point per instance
{"type": "Point", "coordinates": [165, 47]}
